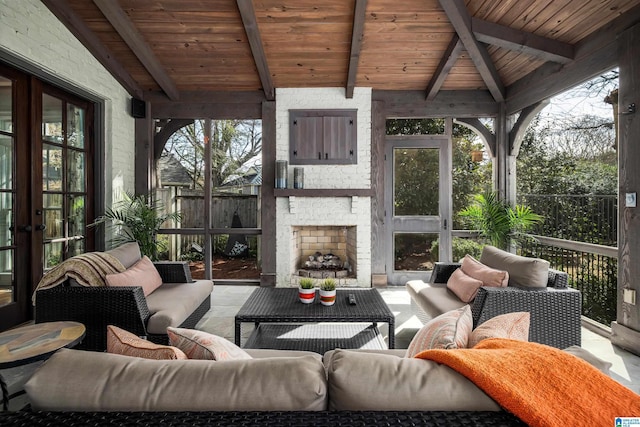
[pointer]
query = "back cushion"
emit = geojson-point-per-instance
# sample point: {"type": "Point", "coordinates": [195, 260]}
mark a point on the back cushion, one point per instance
{"type": "Point", "coordinates": [523, 271]}
{"type": "Point", "coordinates": [128, 254]}
{"type": "Point", "coordinates": [92, 381]}
{"type": "Point", "coordinates": [361, 381]}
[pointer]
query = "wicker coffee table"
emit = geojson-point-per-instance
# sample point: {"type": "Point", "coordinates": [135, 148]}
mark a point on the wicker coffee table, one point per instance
{"type": "Point", "coordinates": [281, 319]}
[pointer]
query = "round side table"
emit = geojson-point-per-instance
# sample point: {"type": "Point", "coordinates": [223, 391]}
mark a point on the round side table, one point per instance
{"type": "Point", "coordinates": [27, 344]}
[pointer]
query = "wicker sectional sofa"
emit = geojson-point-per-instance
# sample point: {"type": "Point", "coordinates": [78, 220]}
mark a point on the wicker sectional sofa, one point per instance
{"type": "Point", "coordinates": [275, 387]}
{"type": "Point", "coordinates": [178, 302]}
{"type": "Point", "coordinates": [555, 309]}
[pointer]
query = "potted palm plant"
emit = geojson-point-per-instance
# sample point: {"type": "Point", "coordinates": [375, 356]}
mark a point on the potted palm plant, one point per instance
{"type": "Point", "coordinates": [499, 224]}
{"type": "Point", "coordinates": [328, 291]}
{"type": "Point", "coordinates": [137, 219]}
{"type": "Point", "coordinates": [306, 290]}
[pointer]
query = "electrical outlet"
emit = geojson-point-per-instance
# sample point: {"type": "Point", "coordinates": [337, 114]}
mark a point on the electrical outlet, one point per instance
{"type": "Point", "coordinates": [630, 200]}
{"type": "Point", "coordinates": [629, 296]}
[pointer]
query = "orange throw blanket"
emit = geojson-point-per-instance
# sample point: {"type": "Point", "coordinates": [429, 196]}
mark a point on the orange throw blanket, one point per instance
{"type": "Point", "coordinates": [541, 385]}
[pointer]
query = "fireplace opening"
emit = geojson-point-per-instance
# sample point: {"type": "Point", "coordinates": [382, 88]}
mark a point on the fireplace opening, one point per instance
{"type": "Point", "coordinates": [324, 251]}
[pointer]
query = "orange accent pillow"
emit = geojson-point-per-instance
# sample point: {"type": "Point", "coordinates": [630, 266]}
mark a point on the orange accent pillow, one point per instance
{"type": "Point", "coordinates": [448, 331]}
{"type": "Point", "coordinates": [142, 273]}
{"type": "Point", "coordinates": [489, 276]}
{"type": "Point", "coordinates": [465, 287]}
{"type": "Point", "coordinates": [514, 326]}
{"type": "Point", "coordinates": [123, 342]}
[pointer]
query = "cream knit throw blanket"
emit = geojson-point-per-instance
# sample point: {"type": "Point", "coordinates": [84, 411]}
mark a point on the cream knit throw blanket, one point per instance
{"type": "Point", "coordinates": [88, 269]}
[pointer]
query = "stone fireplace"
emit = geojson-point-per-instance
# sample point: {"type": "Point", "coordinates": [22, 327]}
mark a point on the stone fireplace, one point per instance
{"type": "Point", "coordinates": [336, 246]}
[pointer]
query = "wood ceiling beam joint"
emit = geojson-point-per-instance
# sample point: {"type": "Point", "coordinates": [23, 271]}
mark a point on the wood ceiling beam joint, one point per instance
{"type": "Point", "coordinates": [521, 41]}
{"type": "Point", "coordinates": [459, 17]}
{"type": "Point", "coordinates": [449, 58]}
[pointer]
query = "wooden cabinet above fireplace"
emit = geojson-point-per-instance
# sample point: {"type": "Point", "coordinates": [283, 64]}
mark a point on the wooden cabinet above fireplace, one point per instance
{"type": "Point", "coordinates": [319, 137]}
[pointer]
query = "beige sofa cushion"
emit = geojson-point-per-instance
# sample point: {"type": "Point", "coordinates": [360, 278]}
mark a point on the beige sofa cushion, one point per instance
{"type": "Point", "coordinates": [523, 271]}
{"type": "Point", "coordinates": [379, 382]}
{"type": "Point", "coordinates": [128, 254]}
{"type": "Point", "coordinates": [433, 298]}
{"type": "Point", "coordinates": [172, 303]}
{"type": "Point", "coordinates": [91, 381]}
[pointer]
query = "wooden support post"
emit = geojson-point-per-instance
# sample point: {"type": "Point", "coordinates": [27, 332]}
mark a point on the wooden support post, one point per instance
{"type": "Point", "coordinates": [378, 241]}
{"type": "Point", "coordinates": [625, 331]}
{"type": "Point", "coordinates": [268, 214]}
{"type": "Point", "coordinates": [144, 132]}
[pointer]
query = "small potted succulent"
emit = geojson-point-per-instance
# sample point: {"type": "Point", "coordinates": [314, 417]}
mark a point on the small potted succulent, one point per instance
{"type": "Point", "coordinates": [328, 291]}
{"type": "Point", "coordinates": [306, 290]}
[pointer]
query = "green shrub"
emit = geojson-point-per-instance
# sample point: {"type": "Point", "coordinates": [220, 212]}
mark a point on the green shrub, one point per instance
{"type": "Point", "coordinates": [460, 248]}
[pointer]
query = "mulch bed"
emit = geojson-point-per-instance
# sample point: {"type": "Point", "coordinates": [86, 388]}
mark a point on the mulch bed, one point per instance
{"type": "Point", "coordinates": [227, 268]}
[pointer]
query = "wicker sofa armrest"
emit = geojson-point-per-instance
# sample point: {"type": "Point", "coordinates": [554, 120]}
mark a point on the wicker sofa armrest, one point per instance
{"type": "Point", "coordinates": [174, 271]}
{"type": "Point", "coordinates": [558, 279]}
{"type": "Point", "coordinates": [95, 307]}
{"type": "Point", "coordinates": [555, 313]}
{"type": "Point", "coordinates": [442, 271]}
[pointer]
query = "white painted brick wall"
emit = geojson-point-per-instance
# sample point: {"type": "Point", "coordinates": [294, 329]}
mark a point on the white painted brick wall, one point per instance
{"type": "Point", "coordinates": [31, 33]}
{"type": "Point", "coordinates": [342, 211]}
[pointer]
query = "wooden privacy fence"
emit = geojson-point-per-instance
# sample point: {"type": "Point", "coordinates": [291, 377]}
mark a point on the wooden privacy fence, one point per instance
{"type": "Point", "coordinates": [223, 206]}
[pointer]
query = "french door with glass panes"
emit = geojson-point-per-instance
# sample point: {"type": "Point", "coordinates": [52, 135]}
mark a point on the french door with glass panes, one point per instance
{"type": "Point", "coordinates": [46, 183]}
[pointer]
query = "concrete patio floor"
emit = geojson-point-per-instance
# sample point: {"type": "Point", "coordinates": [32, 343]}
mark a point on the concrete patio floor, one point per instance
{"type": "Point", "coordinates": [227, 300]}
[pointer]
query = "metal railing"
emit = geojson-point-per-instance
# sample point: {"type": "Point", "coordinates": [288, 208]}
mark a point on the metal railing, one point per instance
{"type": "Point", "coordinates": [592, 269]}
{"type": "Point", "coordinates": [580, 218]}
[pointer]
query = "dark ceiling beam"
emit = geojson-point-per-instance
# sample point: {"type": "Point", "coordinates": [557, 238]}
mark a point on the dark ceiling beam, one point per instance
{"type": "Point", "coordinates": [248, 14]}
{"type": "Point", "coordinates": [449, 58]}
{"type": "Point", "coordinates": [138, 45]}
{"type": "Point", "coordinates": [163, 135]}
{"type": "Point", "coordinates": [63, 11]}
{"type": "Point", "coordinates": [461, 20]}
{"type": "Point", "coordinates": [409, 104]}
{"type": "Point", "coordinates": [594, 55]}
{"type": "Point", "coordinates": [357, 33]}
{"type": "Point", "coordinates": [521, 41]}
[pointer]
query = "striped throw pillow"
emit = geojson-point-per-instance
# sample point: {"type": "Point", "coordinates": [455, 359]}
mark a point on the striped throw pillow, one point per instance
{"type": "Point", "coordinates": [202, 345]}
{"type": "Point", "coordinates": [123, 342]}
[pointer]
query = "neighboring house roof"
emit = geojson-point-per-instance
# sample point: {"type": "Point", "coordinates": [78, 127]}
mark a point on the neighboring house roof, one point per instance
{"type": "Point", "coordinates": [172, 173]}
{"type": "Point", "coordinates": [253, 176]}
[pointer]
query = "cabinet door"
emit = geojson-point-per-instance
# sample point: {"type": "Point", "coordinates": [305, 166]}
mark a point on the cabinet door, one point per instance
{"type": "Point", "coordinates": [339, 139]}
{"type": "Point", "coordinates": [322, 137]}
{"type": "Point", "coordinates": [306, 140]}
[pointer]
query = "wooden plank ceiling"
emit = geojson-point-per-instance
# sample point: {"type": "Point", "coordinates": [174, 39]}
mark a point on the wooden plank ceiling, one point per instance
{"type": "Point", "coordinates": [181, 46]}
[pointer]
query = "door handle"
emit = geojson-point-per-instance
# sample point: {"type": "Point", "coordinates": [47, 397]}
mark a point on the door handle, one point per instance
{"type": "Point", "coordinates": [41, 227]}
{"type": "Point", "coordinates": [25, 228]}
